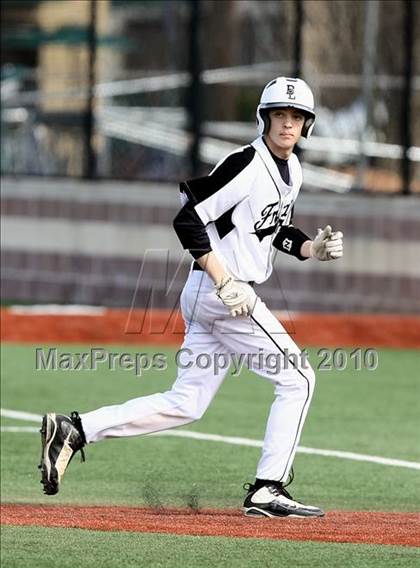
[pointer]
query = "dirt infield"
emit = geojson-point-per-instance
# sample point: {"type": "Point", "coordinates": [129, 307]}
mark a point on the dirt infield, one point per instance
{"type": "Point", "coordinates": [337, 526]}
{"type": "Point", "coordinates": [162, 327]}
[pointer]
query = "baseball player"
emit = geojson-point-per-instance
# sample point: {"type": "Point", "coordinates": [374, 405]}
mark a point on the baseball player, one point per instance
{"type": "Point", "coordinates": [231, 221]}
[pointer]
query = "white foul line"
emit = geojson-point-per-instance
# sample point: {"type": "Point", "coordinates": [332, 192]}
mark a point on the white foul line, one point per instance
{"type": "Point", "coordinates": [27, 416]}
{"type": "Point", "coordinates": [20, 415]}
{"type": "Point", "coordinates": [19, 429]}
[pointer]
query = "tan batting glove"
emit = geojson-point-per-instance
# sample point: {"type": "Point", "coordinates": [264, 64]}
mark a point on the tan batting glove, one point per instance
{"type": "Point", "coordinates": [327, 245]}
{"type": "Point", "coordinates": [237, 296]}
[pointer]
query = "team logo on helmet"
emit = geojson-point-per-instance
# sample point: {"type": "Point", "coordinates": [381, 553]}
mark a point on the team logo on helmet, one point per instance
{"type": "Point", "coordinates": [291, 92]}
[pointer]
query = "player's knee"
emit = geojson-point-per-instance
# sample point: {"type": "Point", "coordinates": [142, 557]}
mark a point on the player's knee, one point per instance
{"type": "Point", "coordinates": [197, 414]}
{"type": "Point", "coordinates": [190, 409]}
{"type": "Point", "coordinates": [301, 382]}
{"type": "Point", "coordinates": [192, 414]}
{"type": "Point", "coordinates": [306, 378]}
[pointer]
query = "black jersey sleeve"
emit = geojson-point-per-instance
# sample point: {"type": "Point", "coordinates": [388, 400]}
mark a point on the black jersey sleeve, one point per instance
{"type": "Point", "coordinates": [211, 198]}
{"type": "Point", "coordinates": [290, 240]}
{"type": "Point", "coordinates": [226, 186]}
{"type": "Point", "coordinates": [191, 231]}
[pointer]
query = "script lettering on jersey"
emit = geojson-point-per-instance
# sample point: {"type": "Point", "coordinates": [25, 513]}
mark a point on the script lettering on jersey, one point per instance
{"type": "Point", "coordinates": [268, 222]}
{"type": "Point", "coordinates": [271, 220]}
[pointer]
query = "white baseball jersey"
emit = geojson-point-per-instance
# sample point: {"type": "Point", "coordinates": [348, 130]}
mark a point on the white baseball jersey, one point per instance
{"type": "Point", "coordinates": [243, 205]}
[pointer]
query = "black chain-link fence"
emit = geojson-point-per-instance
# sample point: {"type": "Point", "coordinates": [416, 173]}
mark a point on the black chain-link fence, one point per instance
{"type": "Point", "coordinates": [161, 90]}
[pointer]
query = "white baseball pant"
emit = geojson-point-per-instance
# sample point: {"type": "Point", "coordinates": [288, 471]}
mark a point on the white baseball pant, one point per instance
{"type": "Point", "coordinates": [211, 330]}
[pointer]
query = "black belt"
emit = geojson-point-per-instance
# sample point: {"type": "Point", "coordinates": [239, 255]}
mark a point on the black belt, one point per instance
{"type": "Point", "coordinates": [196, 266]}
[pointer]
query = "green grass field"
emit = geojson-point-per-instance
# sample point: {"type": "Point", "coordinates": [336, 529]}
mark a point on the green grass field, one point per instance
{"type": "Point", "coordinates": [368, 412]}
{"type": "Point", "coordinates": [38, 548]}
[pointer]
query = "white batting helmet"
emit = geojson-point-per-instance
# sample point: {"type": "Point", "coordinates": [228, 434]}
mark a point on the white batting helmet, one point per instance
{"type": "Point", "coordinates": [285, 92]}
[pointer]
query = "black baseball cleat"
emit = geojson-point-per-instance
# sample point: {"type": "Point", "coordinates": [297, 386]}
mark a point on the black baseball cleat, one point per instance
{"type": "Point", "coordinates": [61, 437]}
{"type": "Point", "coordinates": [272, 500]}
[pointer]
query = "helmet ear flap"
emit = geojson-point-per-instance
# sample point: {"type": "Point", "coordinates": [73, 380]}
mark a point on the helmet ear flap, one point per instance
{"type": "Point", "coordinates": [260, 121]}
{"type": "Point", "coordinates": [260, 124]}
{"type": "Point", "coordinates": [266, 119]}
{"type": "Point", "coordinates": [308, 126]}
{"type": "Point", "coordinates": [263, 121]}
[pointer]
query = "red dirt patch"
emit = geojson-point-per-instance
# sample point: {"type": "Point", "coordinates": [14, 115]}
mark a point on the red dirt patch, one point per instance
{"type": "Point", "coordinates": [161, 327]}
{"type": "Point", "coordinates": [337, 526]}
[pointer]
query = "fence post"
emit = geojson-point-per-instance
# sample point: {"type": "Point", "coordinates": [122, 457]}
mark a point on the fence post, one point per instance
{"type": "Point", "coordinates": [370, 36]}
{"type": "Point", "coordinates": [297, 54]}
{"type": "Point", "coordinates": [194, 95]}
{"type": "Point", "coordinates": [407, 118]}
{"type": "Point", "coordinates": [89, 118]}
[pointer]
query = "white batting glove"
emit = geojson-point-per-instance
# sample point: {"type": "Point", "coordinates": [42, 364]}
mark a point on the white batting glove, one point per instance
{"type": "Point", "coordinates": [327, 245]}
{"type": "Point", "coordinates": [237, 296]}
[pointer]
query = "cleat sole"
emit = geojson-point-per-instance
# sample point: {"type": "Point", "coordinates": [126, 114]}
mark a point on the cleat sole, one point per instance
{"type": "Point", "coordinates": [49, 478]}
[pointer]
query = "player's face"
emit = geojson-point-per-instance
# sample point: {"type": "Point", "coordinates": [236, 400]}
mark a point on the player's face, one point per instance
{"type": "Point", "coordinates": [285, 130]}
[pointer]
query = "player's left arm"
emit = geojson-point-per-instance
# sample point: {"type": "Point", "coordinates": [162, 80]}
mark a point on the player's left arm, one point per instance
{"type": "Point", "coordinates": [327, 245]}
{"type": "Point", "coordinates": [291, 240]}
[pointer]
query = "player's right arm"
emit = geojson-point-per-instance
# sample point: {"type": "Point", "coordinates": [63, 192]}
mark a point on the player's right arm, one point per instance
{"type": "Point", "coordinates": [191, 231]}
{"type": "Point", "coordinates": [214, 268]}
{"type": "Point", "coordinates": [206, 200]}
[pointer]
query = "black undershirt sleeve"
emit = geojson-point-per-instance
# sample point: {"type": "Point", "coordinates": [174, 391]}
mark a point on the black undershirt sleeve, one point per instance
{"type": "Point", "coordinates": [290, 240]}
{"type": "Point", "coordinates": [191, 231]}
